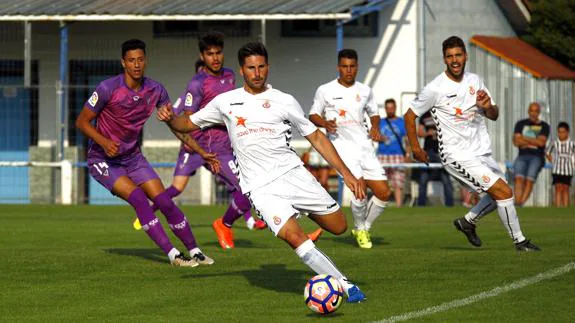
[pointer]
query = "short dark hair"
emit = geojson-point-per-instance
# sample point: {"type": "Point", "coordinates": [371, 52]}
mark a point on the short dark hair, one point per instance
{"type": "Point", "coordinates": [133, 44]}
{"type": "Point", "coordinates": [563, 124]}
{"type": "Point", "coordinates": [199, 63]}
{"type": "Point", "coordinates": [346, 53]}
{"type": "Point", "coordinates": [453, 42]}
{"type": "Point", "coordinates": [251, 49]}
{"type": "Point", "coordinates": [390, 101]}
{"type": "Point", "coordinates": [213, 39]}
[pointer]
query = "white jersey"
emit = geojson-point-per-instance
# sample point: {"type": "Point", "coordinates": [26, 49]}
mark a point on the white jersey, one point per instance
{"type": "Point", "coordinates": [461, 128]}
{"type": "Point", "coordinates": [260, 131]}
{"type": "Point", "coordinates": [347, 105]}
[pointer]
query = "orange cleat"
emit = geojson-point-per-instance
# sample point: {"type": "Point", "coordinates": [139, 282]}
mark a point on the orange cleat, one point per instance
{"type": "Point", "coordinates": [313, 236]}
{"type": "Point", "coordinates": [225, 234]}
{"type": "Point", "coordinates": [260, 225]}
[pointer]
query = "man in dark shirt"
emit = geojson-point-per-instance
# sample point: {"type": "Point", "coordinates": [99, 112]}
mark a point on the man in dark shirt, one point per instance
{"type": "Point", "coordinates": [428, 130]}
{"type": "Point", "coordinates": [530, 136]}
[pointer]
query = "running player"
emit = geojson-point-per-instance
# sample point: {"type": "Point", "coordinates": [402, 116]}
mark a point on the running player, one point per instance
{"type": "Point", "coordinates": [260, 120]}
{"type": "Point", "coordinates": [211, 80]}
{"type": "Point", "coordinates": [120, 106]}
{"type": "Point", "coordinates": [458, 102]}
{"type": "Point", "coordinates": [343, 103]}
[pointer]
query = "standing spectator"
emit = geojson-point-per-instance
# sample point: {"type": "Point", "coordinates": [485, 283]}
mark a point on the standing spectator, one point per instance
{"type": "Point", "coordinates": [428, 130]}
{"type": "Point", "coordinates": [530, 136]}
{"type": "Point", "coordinates": [391, 148]}
{"type": "Point", "coordinates": [562, 154]}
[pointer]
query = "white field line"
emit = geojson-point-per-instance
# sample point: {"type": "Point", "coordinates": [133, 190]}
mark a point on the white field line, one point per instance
{"type": "Point", "coordinates": [483, 295]}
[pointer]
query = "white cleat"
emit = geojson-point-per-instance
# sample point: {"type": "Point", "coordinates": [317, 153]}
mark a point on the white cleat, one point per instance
{"type": "Point", "coordinates": [184, 261]}
{"type": "Point", "coordinates": [202, 259]}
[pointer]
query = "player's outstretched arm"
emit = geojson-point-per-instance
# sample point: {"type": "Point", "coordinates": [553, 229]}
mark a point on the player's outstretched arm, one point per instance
{"type": "Point", "coordinates": [181, 123]}
{"type": "Point", "coordinates": [210, 158]}
{"type": "Point", "coordinates": [410, 127]}
{"type": "Point", "coordinates": [84, 123]}
{"type": "Point", "coordinates": [326, 149]}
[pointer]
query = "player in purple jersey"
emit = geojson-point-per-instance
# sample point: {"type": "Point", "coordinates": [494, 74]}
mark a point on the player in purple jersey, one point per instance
{"type": "Point", "coordinates": [120, 106]}
{"type": "Point", "coordinates": [210, 81]}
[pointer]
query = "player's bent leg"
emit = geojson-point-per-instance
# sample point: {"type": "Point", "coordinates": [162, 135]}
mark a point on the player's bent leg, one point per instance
{"type": "Point", "coordinates": [292, 233]}
{"type": "Point", "coordinates": [333, 223]}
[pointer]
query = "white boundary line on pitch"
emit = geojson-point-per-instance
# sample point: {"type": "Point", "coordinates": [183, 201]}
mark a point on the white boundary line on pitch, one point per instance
{"type": "Point", "coordinates": [483, 295]}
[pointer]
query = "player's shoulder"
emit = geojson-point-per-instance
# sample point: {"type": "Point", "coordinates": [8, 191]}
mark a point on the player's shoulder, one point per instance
{"type": "Point", "coordinates": [112, 83]}
{"type": "Point", "coordinates": [228, 72]}
{"type": "Point", "coordinates": [328, 87]}
{"type": "Point", "coordinates": [279, 95]}
{"type": "Point", "coordinates": [232, 95]}
{"type": "Point", "coordinates": [362, 87]}
{"type": "Point", "coordinates": [153, 83]}
{"type": "Point", "coordinates": [472, 78]}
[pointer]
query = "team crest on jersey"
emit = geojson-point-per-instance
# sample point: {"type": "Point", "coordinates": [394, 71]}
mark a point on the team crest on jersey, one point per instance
{"type": "Point", "coordinates": [241, 121]}
{"type": "Point", "coordinates": [266, 104]}
{"type": "Point", "coordinates": [471, 90]}
{"type": "Point", "coordinates": [93, 99]}
{"type": "Point", "coordinates": [222, 81]}
{"type": "Point", "coordinates": [277, 220]}
{"type": "Point", "coordinates": [358, 98]}
{"type": "Point", "coordinates": [485, 179]}
{"type": "Point", "coordinates": [189, 100]}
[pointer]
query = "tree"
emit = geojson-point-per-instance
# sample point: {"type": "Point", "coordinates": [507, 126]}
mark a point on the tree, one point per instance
{"type": "Point", "coordinates": [552, 29]}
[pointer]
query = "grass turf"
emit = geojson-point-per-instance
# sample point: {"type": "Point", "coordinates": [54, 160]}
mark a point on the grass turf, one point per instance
{"type": "Point", "coordinates": [86, 263]}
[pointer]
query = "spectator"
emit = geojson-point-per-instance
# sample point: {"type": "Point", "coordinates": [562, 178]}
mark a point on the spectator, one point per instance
{"type": "Point", "coordinates": [428, 130]}
{"type": "Point", "coordinates": [391, 148]}
{"type": "Point", "coordinates": [530, 136]}
{"type": "Point", "coordinates": [562, 154]}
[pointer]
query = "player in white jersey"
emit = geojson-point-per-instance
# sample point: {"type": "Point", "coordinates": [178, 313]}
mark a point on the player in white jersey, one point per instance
{"type": "Point", "coordinates": [259, 122]}
{"type": "Point", "coordinates": [339, 106]}
{"type": "Point", "coordinates": [459, 102]}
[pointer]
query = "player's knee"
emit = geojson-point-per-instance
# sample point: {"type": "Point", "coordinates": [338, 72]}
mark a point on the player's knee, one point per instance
{"type": "Point", "coordinates": [164, 202]}
{"type": "Point", "coordinates": [339, 229]}
{"type": "Point", "coordinates": [384, 194]}
{"type": "Point", "coordinates": [295, 237]}
{"type": "Point", "coordinates": [138, 198]}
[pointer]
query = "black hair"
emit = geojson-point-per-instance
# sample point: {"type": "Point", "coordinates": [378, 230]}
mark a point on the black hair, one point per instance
{"type": "Point", "coordinates": [453, 42]}
{"type": "Point", "coordinates": [251, 49]}
{"type": "Point", "coordinates": [133, 44]}
{"type": "Point", "coordinates": [199, 63]}
{"type": "Point", "coordinates": [347, 53]}
{"type": "Point", "coordinates": [563, 124]}
{"type": "Point", "coordinates": [213, 39]}
{"type": "Point", "coordinates": [390, 101]}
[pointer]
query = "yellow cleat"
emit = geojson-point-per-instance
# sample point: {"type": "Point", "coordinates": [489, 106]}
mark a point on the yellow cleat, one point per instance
{"type": "Point", "coordinates": [137, 225]}
{"type": "Point", "coordinates": [363, 238]}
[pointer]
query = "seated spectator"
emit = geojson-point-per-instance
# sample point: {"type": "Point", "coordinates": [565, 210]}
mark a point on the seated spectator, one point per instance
{"type": "Point", "coordinates": [562, 154]}
{"type": "Point", "coordinates": [530, 136]}
{"type": "Point", "coordinates": [391, 149]}
{"type": "Point", "coordinates": [428, 130]}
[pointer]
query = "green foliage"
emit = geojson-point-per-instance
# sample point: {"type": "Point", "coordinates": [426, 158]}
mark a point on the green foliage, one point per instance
{"type": "Point", "coordinates": [552, 29]}
{"type": "Point", "coordinates": [87, 264]}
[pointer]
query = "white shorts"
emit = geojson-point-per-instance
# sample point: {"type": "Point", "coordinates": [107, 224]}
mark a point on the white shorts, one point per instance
{"type": "Point", "coordinates": [479, 173]}
{"type": "Point", "coordinates": [293, 192]}
{"type": "Point", "coordinates": [364, 164]}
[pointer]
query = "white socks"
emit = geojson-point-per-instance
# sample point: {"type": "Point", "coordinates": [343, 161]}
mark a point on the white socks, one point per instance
{"type": "Point", "coordinates": [194, 251]}
{"type": "Point", "coordinates": [358, 211]}
{"type": "Point", "coordinates": [508, 216]}
{"type": "Point", "coordinates": [483, 207]}
{"type": "Point", "coordinates": [375, 208]}
{"type": "Point", "coordinates": [320, 263]}
{"type": "Point", "coordinates": [173, 253]}
{"type": "Point", "coordinates": [250, 223]}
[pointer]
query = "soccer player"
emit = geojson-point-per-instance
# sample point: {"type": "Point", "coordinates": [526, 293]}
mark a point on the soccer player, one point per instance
{"type": "Point", "coordinates": [459, 102]}
{"type": "Point", "coordinates": [120, 106]}
{"type": "Point", "coordinates": [259, 121]}
{"type": "Point", "coordinates": [562, 154]}
{"type": "Point", "coordinates": [211, 80]}
{"type": "Point", "coordinates": [339, 107]}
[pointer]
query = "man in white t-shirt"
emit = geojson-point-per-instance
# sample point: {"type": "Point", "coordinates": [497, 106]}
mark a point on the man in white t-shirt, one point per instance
{"type": "Point", "coordinates": [259, 121]}
{"type": "Point", "coordinates": [340, 107]}
{"type": "Point", "coordinates": [459, 102]}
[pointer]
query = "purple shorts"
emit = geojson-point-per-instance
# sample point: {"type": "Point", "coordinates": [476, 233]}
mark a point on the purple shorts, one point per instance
{"type": "Point", "coordinates": [107, 171]}
{"type": "Point", "coordinates": [188, 163]}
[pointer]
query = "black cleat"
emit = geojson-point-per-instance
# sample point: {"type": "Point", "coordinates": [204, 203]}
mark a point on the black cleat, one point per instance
{"type": "Point", "coordinates": [526, 245]}
{"type": "Point", "coordinates": [469, 230]}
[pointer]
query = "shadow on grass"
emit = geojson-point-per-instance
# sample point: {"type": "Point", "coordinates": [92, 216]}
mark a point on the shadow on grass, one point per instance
{"type": "Point", "coordinates": [350, 240]}
{"type": "Point", "coordinates": [325, 316]}
{"type": "Point", "coordinates": [154, 254]}
{"type": "Point", "coordinates": [273, 277]}
{"type": "Point", "coordinates": [463, 248]}
{"type": "Point", "coordinates": [239, 243]}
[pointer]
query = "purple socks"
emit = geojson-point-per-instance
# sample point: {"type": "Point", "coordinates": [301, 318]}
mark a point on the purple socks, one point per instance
{"type": "Point", "coordinates": [150, 223]}
{"type": "Point", "coordinates": [176, 219]}
{"type": "Point", "coordinates": [172, 192]}
{"type": "Point", "coordinates": [240, 205]}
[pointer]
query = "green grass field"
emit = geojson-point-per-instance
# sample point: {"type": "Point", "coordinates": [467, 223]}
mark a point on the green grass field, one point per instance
{"type": "Point", "coordinates": [86, 263]}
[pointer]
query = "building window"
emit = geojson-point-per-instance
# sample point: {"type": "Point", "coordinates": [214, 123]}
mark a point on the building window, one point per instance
{"type": "Point", "coordinates": [230, 28]}
{"type": "Point", "coordinates": [364, 26]}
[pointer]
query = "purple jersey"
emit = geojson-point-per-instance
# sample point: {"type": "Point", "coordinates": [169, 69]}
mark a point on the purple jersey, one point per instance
{"type": "Point", "coordinates": [200, 91]}
{"type": "Point", "coordinates": [122, 112]}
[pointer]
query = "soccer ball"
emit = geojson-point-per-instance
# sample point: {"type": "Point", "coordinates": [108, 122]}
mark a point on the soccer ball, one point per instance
{"type": "Point", "coordinates": [323, 294]}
